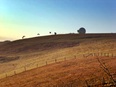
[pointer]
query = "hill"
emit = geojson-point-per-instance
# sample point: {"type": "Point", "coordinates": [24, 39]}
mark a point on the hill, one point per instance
{"type": "Point", "coordinates": [71, 73]}
{"type": "Point", "coordinates": [48, 42]}
{"type": "Point", "coordinates": [19, 53]}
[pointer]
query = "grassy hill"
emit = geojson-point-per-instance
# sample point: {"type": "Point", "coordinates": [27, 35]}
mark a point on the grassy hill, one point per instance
{"type": "Point", "coordinates": [48, 42]}
{"type": "Point", "coordinates": [71, 73]}
{"type": "Point", "coordinates": [19, 53]}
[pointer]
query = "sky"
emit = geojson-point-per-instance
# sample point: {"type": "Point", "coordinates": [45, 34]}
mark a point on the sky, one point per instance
{"type": "Point", "coordinates": [30, 17]}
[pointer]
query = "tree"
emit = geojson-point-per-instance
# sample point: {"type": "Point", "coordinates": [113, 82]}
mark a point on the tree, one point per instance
{"type": "Point", "coordinates": [55, 33]}
{"type": "Point", "coordinates": [50, 32]}
{"type": "Point", "coordinates": [38, 34]}
{"type": "Point", "coordinates": [23, 37]}
{"type": "Point", "coordinates": [81, 30]}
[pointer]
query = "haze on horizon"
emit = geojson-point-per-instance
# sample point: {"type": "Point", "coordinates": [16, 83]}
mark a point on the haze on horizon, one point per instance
{"type": "Point", "coordinates": [29, 17]}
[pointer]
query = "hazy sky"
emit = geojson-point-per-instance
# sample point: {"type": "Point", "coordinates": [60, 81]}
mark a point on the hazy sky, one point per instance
{"type": "Point", "coordinates": [29, 17]}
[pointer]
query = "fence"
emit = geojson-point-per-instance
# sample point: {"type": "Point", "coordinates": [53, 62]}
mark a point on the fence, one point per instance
{"type": "Point", "coordinates": [33, 65]}
{"type": "Point", "coordinates": [99, 55]}
{"type": "Point", "coordinates": [112, 81]}
{"type": "Point", "coordinates": [37, 64]}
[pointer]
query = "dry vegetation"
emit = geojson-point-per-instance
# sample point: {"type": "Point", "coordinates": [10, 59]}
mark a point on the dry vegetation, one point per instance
{"type": "Point", "coordinates": [63, 74]}
{"type": "Point", "coordinates": [71, 73]}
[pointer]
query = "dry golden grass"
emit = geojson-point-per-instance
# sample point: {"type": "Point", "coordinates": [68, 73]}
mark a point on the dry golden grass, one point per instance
{"type": "Point", "coordinates": [42, 49]}
{"type": "Point", "coordinates": [75, 72]}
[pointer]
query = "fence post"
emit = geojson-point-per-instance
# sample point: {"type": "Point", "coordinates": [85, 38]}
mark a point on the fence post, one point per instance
{"type": "Point", "coordinates": [14, 72]}
{"type": "Point", "coordinates": [98, 54]}
{"type": "Point", "coordinates": [112, 55]}
{"type": "Point", "coordinates": [101, 54]}
{"type": "Point", "coordinates": [83, 55]}
{"type": "Point", "coordinates": [104, 54]}
{"type": "Point", "coordinates": [94, 54]}
{"type": "Point", "coordinates": [107, 54]}
{"type": "Point", "coordinates": [37, 65]}
{"type": "Point", "coordinates": [6, 75]}
{"type": "Point", "coordinates": [64, 59]}
{"type": "Point", "coordinates": [24, 68]}
{"type": "Point", "coordinates": [46, 63]}
{"type": "Point", "coordinates": [55, 60]}
{"type": "Point", "coordinates": [75, 57]}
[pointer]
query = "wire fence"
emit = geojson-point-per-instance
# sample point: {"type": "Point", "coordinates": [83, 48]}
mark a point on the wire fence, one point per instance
{"type": "Point", "coordinates": [93, 82]}
{"type": "Point", "coordinates": [111, 80]}
{"type": "Point", "coordinates": [33, 65]}
{"type": "Point", "coordinates": [37, 64]}
{"type": "Point", "coordinates": [99, 55]}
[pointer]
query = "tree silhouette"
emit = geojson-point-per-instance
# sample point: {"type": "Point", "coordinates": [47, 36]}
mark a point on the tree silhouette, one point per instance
{"type": "Point", "coordinates": [23, 37]}
{"type": "Point", "coordinates": [38, 34]}
{"type": "Point", "coordinates": [55, 33]}
{"type": "Point", "coordinates": [50, 32]}
{"type": "Point", "coordinates": [81, 30]}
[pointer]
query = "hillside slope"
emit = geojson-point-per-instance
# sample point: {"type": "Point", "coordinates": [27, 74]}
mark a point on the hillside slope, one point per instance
{"type": "Point", "coordinates": [48, 43]}
{"type": "Point", "coordinates": [16, 54]}
{"type": "Point", "coordinates": [71, 73]}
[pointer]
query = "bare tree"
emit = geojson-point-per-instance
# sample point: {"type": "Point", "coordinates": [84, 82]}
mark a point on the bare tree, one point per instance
{"type": "Point", "coordinates": [106, 70]}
